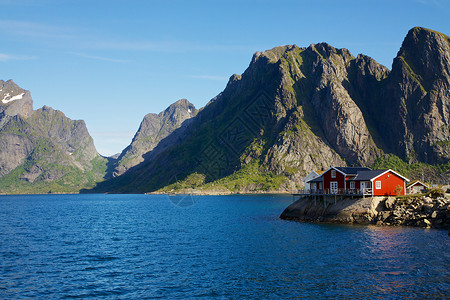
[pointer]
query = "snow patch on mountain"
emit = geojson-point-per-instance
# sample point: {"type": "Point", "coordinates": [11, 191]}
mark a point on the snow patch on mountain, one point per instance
{"type": "Point", "coordinates": [5, 100]}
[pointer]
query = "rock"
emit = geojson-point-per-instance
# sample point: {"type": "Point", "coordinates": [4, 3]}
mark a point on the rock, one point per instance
{"type": "Point", "coordinates": [424, 223]}
{"type": "Point", "coordinates": [389, 203]}
{"type": "Point", "coordinates": [344, 211]}
{"type": "Point", "coordinates": [434, 214]}
{"type": "Point", "coordinates": [427, 200]}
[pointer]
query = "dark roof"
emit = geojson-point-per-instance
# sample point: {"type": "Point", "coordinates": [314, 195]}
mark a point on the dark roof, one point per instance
{"type": "Point", "coordinates": [367, 175]}
{"type": "Point", "coordinates": [317, 179]}
{"type": "Point", "coordinates": [352, 170]}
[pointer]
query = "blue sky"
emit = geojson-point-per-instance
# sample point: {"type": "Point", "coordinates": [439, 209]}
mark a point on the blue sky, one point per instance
{"type": "Point", "coordinates": [111, 62]}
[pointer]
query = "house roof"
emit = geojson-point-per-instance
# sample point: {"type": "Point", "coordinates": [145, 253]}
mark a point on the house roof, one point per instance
{"type": "Point", "coordinates": [317, 179]}
{"type": "Point", "coordinates": [416, 182]}
{"type": "Point", "coordinates": [351, 170]}
{"type": "Point", "coordinates": [311, 175]}
{"type": "Point", "coordinates": [319, 172]}
{"type": "Point", "coordinates": [367, 175]}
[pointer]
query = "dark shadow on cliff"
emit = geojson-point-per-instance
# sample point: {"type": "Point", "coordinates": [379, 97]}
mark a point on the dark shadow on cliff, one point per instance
{"type": "Point", "coordinates": [209, 144]}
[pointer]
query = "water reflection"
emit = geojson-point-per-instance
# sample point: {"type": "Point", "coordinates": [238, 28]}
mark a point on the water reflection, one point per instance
{"type": "Point", "coordinates": [393, 256]}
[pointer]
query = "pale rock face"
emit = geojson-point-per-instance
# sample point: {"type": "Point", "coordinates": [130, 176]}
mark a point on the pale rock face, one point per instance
{"type": "Point", "coordinates": [14, 100]}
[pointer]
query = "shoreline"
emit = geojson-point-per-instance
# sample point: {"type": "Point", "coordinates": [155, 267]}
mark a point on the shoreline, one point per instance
{"type": "Point", "coordinates": [413, 211]}
{"type": "Point", "coordinates": [220, 193]}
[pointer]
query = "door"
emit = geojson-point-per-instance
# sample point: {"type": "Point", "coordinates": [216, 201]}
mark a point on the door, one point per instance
{"type": "Point", "coordinates": [333, 187]}
{"type": "Point", "coordinates": [363, 186]}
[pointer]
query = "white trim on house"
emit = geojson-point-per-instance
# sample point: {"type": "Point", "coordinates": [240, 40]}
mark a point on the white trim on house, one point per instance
{"type": "Point", "coordinates": [333, 169]}
{"type": "Point", "coordinates": [416, 182]}
{"type": "Point", "coordinates": [389, 170]}
{"type": "Point", "coordinates": [312, 175]}
{"type": "Point", "coordinates": [378, 184]}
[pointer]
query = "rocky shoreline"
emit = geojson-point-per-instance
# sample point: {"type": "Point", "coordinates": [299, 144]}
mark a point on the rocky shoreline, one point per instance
{"type": "Point", "coordinates": [426, 211]}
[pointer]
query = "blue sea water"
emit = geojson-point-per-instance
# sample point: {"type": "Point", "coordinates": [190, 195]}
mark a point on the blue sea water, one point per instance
{"type": "Point", "coordinates": [226, 247]}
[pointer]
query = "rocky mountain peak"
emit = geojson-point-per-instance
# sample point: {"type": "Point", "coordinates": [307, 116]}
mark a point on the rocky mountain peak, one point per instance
{"type": "Point", "coordinates": [153, 129]}
{"type": "Point", "coordinates": [427, 54]}
{"type": "Point", "coordinates": [179, 111]}
{"type": "Point", "coordinates": [418, 95]}
{"type": "Point", "coordinates": [274, 54]}
{"type": "Point", "coordinates": [15, 100]}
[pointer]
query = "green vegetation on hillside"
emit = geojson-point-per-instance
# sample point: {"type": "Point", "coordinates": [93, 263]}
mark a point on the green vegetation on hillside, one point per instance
{"type": "Point", "coordinates": [429, 173]}
{"type": "Point", "coordinates": [250, 178]}
{"type": "Point", "coordinates": [69, 179]}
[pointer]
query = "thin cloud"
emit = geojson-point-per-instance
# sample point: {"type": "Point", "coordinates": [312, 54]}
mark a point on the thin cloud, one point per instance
{"type": "Point", "coordinates": [165, 46]}
{"type": "Point", "coordinates": [35, 30]}
{"type": "Point", "coordinates": [100, 58]}
{"type": "Point", "coordinates": [8, 57]}
{"type": "Point", "coordinates": [83, 38]}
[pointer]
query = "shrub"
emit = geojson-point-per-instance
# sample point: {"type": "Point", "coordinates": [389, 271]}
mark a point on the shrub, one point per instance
{"type": "Point", "coordinates": [398, 190]}
{"type": "Point", "coordinates": [435, 193]}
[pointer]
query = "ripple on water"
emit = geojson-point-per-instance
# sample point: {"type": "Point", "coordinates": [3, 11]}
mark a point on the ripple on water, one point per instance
{"type": "Point", "coordinates": [142, 246]}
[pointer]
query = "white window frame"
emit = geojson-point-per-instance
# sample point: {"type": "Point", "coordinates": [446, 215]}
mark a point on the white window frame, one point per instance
{"type": "Point", "coordinates": [334, 190]}
{"type": "Point", "coordinates": [333, 173]}
{"type": "Point", "coordinates": [352, 185]}
{"type": "Point", "coordinates": [378, 185]}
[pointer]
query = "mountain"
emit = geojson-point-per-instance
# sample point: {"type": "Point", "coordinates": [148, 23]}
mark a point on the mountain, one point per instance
{"type": "Point", "coordinates": [298, 109]}
{"type": "Point", "coordinates": [43, 150]}
{"type": "Point", "coordinates": [153, 129]}
{"type": "Point", "coordinates": [418, 98]}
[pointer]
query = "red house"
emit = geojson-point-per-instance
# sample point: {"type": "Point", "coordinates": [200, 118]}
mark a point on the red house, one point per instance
{"type": "Point", "coordinates": [359, 180]}
{"type": "Point", "coordinates": [416, 187]}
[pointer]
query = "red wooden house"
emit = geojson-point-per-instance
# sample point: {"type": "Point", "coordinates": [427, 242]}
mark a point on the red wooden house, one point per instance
{"type": "Point", "coordinates": [416, 187]}
{"type": "Point", "coordinates": [360, 180]}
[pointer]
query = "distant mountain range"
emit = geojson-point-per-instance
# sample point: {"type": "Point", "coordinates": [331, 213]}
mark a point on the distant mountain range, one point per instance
{"type": "Point", "coordinates": [292, 111]}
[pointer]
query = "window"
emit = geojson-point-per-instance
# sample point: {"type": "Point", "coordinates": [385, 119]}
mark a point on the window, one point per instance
{"type": "Point", "coordinates": [378, 185]}
{"type": "Point", "coordinates": [352, 185]}
{"type": "Point", "coordinates": [333, 173]}
{"type": "Point", "coordinates": [333, 187]}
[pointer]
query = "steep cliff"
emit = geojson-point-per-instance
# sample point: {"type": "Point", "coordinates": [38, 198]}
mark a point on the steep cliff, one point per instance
{"type": "Point", "coordinates": [153, 129]}
{"type": "Point", "coordinates": [417, 98]}
{"type": "Point", "coordinates": [43, 150]}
